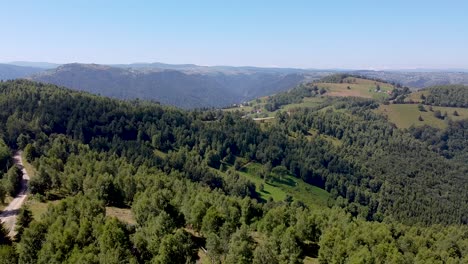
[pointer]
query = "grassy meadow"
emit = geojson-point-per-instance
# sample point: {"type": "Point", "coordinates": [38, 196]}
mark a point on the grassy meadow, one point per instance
{"type": "Point", "coordinates": [406, 115]}
{"type": "Point", "coordinates": [351, 86]}
{"type": "Point", "coordinates": [279, 186]}
{"type": "Point", "coordinates": [357, 87]}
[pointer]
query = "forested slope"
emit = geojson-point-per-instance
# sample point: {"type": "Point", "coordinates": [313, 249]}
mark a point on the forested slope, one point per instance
{"type": "Point", "coordinates": [9, 72]}
{"type": "Point", "coordinates": [388, 171]}
{"type": "Point", "coordinates": [166, 165]}
{"type": "Point", "coordinates": [452, 141]}
{"type": "Point", "coordinates": [447, 95]}
{"type": "Point", "coordinates": [170, 86]}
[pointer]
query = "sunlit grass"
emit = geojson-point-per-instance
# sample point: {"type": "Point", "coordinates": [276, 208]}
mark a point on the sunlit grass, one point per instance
{"type": "Point", "coordinates": [406, 115]}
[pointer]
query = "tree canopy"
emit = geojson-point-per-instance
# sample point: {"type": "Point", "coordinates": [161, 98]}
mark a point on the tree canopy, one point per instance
{"type": "Point", "coordinates": [397, 197]}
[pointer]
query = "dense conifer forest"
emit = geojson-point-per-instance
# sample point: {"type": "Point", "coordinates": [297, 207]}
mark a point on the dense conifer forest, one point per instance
{"type": "Point", "coordinates": [396, 196]}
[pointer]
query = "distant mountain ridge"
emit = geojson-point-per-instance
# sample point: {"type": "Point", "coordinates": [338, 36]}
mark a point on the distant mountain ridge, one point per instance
{"type": "Point", "coordinates": [418, 79]}
{"type": "Point", "coordinates": [8, 71]}
{"type": "Point", "coordinates": [35, 64]}
{"type": "Point", "coordinates": [195, 86]}
{"type": "Point", "coordinates": [186, 88]}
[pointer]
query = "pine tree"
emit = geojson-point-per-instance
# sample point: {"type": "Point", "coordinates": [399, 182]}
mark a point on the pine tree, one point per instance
{"type": "Point", "coordinates": [4, 239]}
{"type": "Point", "coordinates": [24, 219]}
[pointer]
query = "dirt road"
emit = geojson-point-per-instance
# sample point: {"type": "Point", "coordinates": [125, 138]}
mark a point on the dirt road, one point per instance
{"type": "Point", "coordinates": [8, 216]}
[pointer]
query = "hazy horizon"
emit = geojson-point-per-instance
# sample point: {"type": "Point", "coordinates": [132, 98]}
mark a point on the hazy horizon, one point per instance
{"type": "Point", "coordinates": [238, 66]}
{"type": "Point", "coordinates": [301, 34]}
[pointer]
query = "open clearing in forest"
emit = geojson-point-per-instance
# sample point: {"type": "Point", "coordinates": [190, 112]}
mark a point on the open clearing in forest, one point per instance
{"type": "Point", "coordinates": [38, 208]}
{"type": "Point", "coordinates": [123, 214]}
{"type": "Point", "coordinates": [279, 187]}
{"type": "Point", "coordinates": [416, 96]}
{"type": "Point", "coordinates": [406, 115]}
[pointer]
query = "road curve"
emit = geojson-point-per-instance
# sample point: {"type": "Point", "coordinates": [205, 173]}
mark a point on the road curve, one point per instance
{"type": "Point", "coordinates": [9, 214]}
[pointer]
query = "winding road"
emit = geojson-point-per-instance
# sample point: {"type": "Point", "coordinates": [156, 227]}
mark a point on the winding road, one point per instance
{"type": "Point", "coordinates": [9, 214]}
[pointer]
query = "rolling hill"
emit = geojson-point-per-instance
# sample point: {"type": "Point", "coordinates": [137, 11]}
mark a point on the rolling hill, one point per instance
{"type": "Point", "coordinates": [437, 115]}
{"type": "Point", "coordinates": [435, 106]}
{"type": "Point", "coordinates": [314, 93]}
{"type": "Point", "coordinates": [407, 115]}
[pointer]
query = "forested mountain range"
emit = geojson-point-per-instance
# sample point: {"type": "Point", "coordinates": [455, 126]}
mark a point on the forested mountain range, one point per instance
{"type": "Point", "coordinates": [393, 198]}
{"type": "Point", "coordinates": [184, 87]}
{"type": "Point", "coordinates": [216, 86]}
{"type": "Point", "coordinates": [35, 64]}
{"type": "Point", "coordinates": [9, 72]}
{"type": "Point", "coordinates": [194, 86]}
{"type": "Point", "coordinates": [419, 79]}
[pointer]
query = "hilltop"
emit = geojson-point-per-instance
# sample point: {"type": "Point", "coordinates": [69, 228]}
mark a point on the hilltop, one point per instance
{"type": "Point", "coordinates": [314, 93]}
{"type": "Point", "coordinates": [436, 115]}
{"type": "Point", "coordinates": [433, 106]}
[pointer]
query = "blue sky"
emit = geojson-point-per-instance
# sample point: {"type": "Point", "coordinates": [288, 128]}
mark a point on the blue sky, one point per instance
{"type": "Point", "coordinates": [307, 34]}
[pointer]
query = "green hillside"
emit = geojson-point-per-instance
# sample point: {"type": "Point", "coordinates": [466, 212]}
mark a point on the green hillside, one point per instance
{"type": "Point", "coordinates": [279, 185]}
{"type": "Point", "coordinates": [406, 115]}
{"type": "Point", "coordinates": [314, 94]}
{"type": "Point", "coordinates": [442, 95]}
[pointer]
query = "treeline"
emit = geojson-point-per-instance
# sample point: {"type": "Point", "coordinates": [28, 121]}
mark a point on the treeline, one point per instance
{"type": "Point", "coordinates": [341, 78]}
{"type": "Point", "coordinates": [10, 175]}
{"type": "Point", "coordinates": [10, 183]}
{"type": "Point", "coordinates": [335, 78]}
{"type": "Point", "coordinates": [398, 95]}
{"type": "Point", "coordinates": [293, 96]}
{"type": "Point", "coordinates": [5, 156]}
{"type": "Point", "coordinates": [447, 95]}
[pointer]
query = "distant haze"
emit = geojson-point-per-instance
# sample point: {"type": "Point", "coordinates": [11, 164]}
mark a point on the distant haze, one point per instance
{"type": "Point", "coordinates": [363, 34]}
